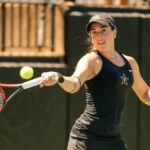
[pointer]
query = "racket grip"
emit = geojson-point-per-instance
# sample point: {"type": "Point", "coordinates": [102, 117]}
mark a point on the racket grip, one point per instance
{"type": "Point", "coordinates": [31, 83]}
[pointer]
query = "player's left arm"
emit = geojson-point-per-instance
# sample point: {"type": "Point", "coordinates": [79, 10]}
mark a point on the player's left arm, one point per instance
{"type": "Point", "coordinates": [140, 87]}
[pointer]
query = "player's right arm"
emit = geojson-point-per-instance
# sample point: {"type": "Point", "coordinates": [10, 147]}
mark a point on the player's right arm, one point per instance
{"type": "Point", "coordinates": [87, 67]}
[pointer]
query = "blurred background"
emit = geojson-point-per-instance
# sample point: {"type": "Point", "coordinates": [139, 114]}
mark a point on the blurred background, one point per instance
{"type": "Point", "coordinates": [50, 35]}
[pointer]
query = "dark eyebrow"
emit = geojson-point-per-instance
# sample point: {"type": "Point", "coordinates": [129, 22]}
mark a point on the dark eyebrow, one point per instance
{"type": "Point", "coordinates": [103, 27]}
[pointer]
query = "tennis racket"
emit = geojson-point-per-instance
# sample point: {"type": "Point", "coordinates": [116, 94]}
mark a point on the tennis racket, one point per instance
{"type": "Point", "coordinates": [19, 87]}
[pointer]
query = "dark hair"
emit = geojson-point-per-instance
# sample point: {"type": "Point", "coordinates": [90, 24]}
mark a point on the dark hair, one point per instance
{"type": "Point", "coordinates": [112, 27]}
{"type": "Point", "coordinates": [89, 44]}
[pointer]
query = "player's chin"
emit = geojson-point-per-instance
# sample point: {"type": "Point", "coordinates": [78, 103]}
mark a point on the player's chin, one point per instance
{"type": "Point", "coordinates": [100, 48]}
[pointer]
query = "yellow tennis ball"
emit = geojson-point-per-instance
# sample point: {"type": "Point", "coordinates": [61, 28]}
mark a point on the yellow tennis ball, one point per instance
{"type": "Point", "coordinates": [26, 72]}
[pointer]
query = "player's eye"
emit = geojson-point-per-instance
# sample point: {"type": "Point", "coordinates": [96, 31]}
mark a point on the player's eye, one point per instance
{"type": "Point", "coordinates": [103, 30]}
{"type": "Point", "coordinates": [93, 32]}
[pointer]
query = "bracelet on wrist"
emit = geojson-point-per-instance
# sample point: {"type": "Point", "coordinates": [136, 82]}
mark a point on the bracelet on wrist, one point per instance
{"type": "Point", "coordinates": [60, 78]}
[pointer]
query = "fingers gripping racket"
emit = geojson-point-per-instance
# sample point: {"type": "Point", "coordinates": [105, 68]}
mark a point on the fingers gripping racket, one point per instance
{"type": "Point", "coordinates": [20, 87]}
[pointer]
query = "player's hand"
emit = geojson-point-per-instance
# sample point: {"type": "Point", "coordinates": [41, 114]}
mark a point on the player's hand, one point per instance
{"type": "Point", "coordinates": [49, 79]}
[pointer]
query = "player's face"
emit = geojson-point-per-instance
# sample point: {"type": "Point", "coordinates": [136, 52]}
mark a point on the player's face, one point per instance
{"type": "Point", "coordinates": [102, 37]}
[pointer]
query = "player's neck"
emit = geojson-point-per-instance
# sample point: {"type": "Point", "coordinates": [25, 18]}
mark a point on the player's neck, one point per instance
{"type": "Point", "coordinates": [110, 54]}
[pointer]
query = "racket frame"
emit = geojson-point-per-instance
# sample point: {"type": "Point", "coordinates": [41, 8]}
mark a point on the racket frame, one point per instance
{"type": "Point", "coordinates": [20, 87]}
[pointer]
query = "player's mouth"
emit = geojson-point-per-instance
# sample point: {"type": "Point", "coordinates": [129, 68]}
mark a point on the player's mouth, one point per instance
{"type": "Point", "coordinates": [101, 43]}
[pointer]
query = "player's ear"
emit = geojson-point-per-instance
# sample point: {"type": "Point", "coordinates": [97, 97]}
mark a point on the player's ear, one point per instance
{"type": "Point", "coordinates": [115, 33]}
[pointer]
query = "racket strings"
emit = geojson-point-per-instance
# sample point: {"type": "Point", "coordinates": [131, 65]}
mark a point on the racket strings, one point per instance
{"type": "Point", "coordinates": [4, 100]}
{"type": "Point", "coordinates": [13, 94]}
{"type": "Point", "coordinates": [1, 100]}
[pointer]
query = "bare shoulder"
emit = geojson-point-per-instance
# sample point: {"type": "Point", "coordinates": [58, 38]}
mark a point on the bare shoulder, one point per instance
{"type": "Point", "coordinates": [132, 61]}
{"type": "Point", "coordinates": [90, 59]}
{"type": "Point", "coordinates": [91, 62]}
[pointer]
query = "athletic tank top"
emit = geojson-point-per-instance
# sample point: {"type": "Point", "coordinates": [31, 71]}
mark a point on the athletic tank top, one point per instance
{"type": "Point", "coordinates": [105, 100]}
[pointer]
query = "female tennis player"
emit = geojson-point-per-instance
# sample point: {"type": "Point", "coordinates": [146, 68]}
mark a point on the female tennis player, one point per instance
{"type": "Point", "coordinates": [108, 76]}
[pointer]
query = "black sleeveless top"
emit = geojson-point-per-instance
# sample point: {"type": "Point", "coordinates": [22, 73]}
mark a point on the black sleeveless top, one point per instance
{"type": "Point", "coordinates": [105, 100]}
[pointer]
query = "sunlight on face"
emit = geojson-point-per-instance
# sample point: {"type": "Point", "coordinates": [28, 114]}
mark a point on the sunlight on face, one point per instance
{"type": "Point", "coordinates": [102, 36]}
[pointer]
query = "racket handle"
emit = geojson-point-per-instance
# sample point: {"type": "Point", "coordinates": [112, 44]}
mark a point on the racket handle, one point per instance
{"type": "Point", "coordinates": [31, 83]}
